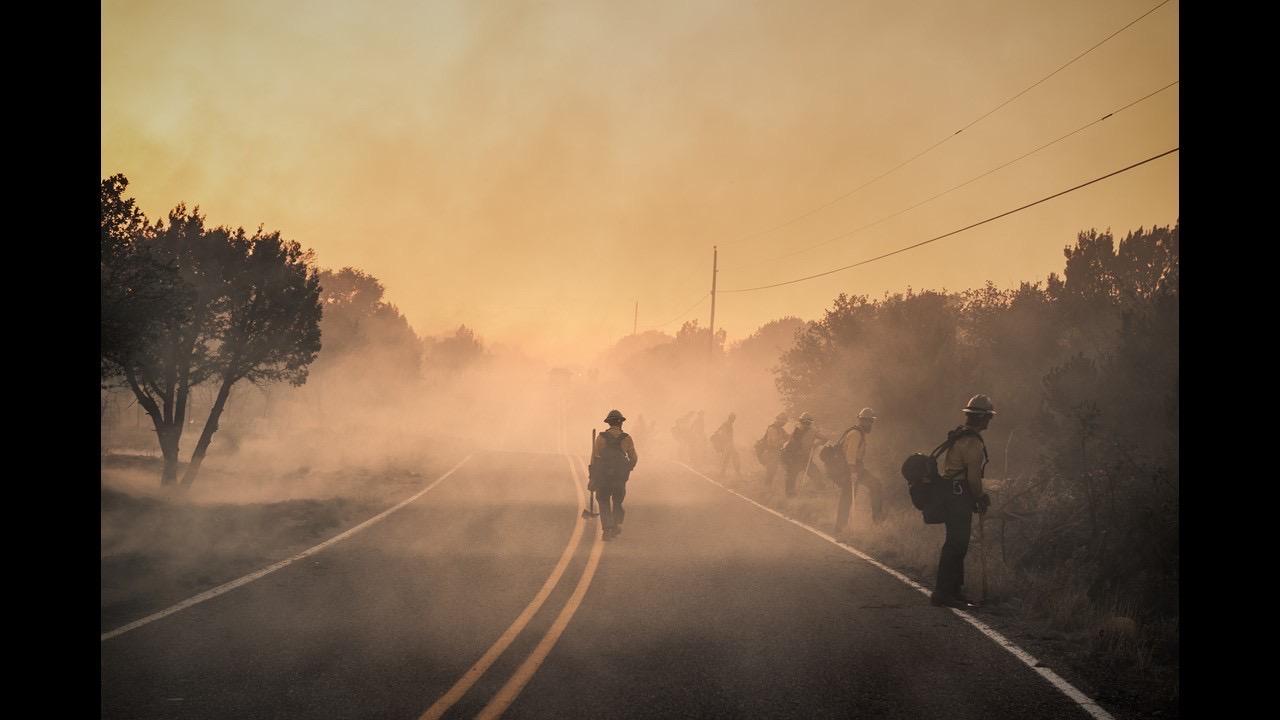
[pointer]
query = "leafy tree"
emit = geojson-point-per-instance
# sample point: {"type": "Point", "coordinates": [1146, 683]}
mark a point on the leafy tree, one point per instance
{"type": "Point", "coordinates": [359, 326]}
{"type": "Point", "coordinates": [693, 341]}
{"type": "Point", "coordinates": [455, 352]}
{"type": "Point", "coordinates": [270, 326]}
{"type": "Point", "coordinates": [762, 348]}
{"type": "Point", "coordinates": [139, 294]}
{"type": "Point", "coordinates": [184, 304]}
{"type": "Point", "coordinates": [163, 364]}
{"type": "Point", "coordinates": [1109, 425]}
{"type": "Point", "coordinates": [632, 345]}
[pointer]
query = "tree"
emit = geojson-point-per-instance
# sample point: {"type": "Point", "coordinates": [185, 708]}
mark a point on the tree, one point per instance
{"type": "Point", "coordinates": [358, 326]}
{"type": "Point", "coordinates": [184, 304]}
{"type": "Point", "coordinates": [162, 356]}
{"type": "Point", "coordinates": [761, 349]}
{"type": "Point", "coordinates": [456, 352]}
{"type": "Point", "coordinates": [692, 341]}
{"type": "Point", "coordinates": [139, 295]}
{"type": "Point", "coordinates": [350, 298]}
{"type": "Point", "coordinates": [270, 329]}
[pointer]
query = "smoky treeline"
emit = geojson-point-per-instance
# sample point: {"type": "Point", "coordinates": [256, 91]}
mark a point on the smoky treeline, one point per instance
{"type": "Point", "coordinates": [238, 346]}
{"type": "Point", "coordinates": [1083, 370]}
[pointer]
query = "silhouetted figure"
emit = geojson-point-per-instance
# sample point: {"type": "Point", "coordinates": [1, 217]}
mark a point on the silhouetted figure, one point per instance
{"type": "Point", "coordinates": [722, 442]}
{"type": "Point", "coordinates": [769, 447]}
{"type": "Point", "coordinates": [612, 459]}
{"type": "Point", "coordinates": [966, 460]}
{"type": "Point", "coordinates": [855, 451]}
{"type": "Point", "coordinates": [798, 451]}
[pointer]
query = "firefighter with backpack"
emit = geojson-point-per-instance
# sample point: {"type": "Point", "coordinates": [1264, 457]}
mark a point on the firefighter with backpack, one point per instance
{"type": "Point", "coordinates": [852, 448]}
{"type": "Point", "coordinates": [797, 453]}
{"type": "Point", "coordinates": [613, 457]}
{"type": "Point", "coordinates": [962, 477]}
{"type": "Point", "coordinates": [769, 447]}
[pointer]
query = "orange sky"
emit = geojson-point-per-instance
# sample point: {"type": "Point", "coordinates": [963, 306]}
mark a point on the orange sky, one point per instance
{"type": "Point", "coordinates": [531, 169]}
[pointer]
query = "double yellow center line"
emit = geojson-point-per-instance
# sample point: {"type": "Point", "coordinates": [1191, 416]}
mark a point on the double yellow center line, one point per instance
{"type": "Point", "coordinates": [507, 695]}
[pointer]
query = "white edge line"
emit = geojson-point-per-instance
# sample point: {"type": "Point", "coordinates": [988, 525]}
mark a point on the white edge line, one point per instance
{"type": "Point", "coordinates": [1084, 701]}
{"type": "Point", "coordinates": [229, 586]}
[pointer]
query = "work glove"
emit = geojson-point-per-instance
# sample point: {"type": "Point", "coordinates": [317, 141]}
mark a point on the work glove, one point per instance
{"type": "Point", "coordinates": [981, 504]}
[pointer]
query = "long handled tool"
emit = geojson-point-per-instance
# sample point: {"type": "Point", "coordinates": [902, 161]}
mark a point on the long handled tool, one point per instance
{"type": "Point", "coordinates": [982, 549]}
{"type": "Point", "coordinates": [590, 512]}
{"type": "Point", "coordinates": [804, 476]}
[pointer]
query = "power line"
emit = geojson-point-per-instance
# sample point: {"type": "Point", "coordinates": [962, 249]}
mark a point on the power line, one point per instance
{"type": "Point", "coordinates": [683, 313]}
{"type": "Point", "coordinates": [695, 272]}
{"type": "Point", "coordinates": [966, 182]}
{"type": "Point", "coordinates": [1064, 67]}
{"type": "Point", "coordinates": [920, 154]}
{"type": "Point", "coordinates": [954, 232]}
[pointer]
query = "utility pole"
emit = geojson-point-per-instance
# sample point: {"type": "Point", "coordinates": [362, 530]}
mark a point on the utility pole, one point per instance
{"type": "Point", "coordinates": [715, 263]}
{"type": "Point", "coordinates": [636, 321]}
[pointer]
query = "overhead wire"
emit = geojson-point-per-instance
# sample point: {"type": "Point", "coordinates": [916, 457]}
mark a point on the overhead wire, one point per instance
{"type": "Point", "coordinates": [954, 232]}
{"type": "Point", "coordinates": [971, 180]}
{"type": "Point", "coordinates": [682, 314]}
{"type": "Point", "coordinates": [937, 144]}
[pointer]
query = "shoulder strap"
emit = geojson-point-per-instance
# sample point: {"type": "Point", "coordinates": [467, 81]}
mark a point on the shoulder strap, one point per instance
{"type": "Point", "coordinates": [845, 435]}
{"type": "Point", "coordinates": [955, 435]}
{"type": "Point", "coordinates": [952, 437]}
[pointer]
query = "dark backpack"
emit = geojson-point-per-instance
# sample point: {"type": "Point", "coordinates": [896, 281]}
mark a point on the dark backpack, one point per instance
{"type": "Point", "coordinates": [928, 489]}
{"type": "Point", "coordinates": [795, 451]}
{"type": "Point", "coordinates": [833, 459]}
{"type": "Point", "coordinates": [760, 447]}
{"type": "Point", "coordinates": [613, 463]}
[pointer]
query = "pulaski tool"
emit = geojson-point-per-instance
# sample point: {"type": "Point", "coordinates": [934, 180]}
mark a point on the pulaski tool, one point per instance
{"type": "Point", "coordinates": [982, 549]}
{"type": "Point", "coordinates": [590, 510]}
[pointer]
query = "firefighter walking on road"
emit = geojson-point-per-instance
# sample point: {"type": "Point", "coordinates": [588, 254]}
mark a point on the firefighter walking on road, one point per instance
{"type": "Point", "coordinates": [613, 457]}
{"type": "Point", "coordinates": [966, 460]}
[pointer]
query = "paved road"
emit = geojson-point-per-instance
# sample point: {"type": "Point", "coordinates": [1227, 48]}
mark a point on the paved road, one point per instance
{"type": "Point", "coordinates": [705, 607]}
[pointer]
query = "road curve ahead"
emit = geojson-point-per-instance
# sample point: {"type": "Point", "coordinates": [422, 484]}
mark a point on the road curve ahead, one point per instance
{"type": "Point", "coordinates": [706, 606]}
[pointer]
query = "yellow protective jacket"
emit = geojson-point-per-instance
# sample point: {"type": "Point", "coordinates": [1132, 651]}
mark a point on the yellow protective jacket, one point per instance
{"type": "Point", "coordinates": [967, 459]}
{"type": "Point", "coordinates": [855, 451]}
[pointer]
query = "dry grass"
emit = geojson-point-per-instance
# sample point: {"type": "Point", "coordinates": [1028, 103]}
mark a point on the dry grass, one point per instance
{"type": "Point", "coordinates": [161, 545]}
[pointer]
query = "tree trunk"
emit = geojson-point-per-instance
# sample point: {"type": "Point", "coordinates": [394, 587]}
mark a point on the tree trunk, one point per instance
{"type": "Point", "coordinates": [169, 437]}
{"type": "Point", "coordinates": [206, 436]}
{"type": "Point", "coordinates": [167, 432]}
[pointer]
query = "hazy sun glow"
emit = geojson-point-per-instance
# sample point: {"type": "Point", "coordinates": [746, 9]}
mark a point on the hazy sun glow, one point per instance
{"type": "Point", "coordinates": [533, 170]}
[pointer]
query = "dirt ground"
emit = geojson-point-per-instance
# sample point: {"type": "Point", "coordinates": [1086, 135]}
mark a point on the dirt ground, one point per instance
{"type": "Point", "coordinates": [162, 545]}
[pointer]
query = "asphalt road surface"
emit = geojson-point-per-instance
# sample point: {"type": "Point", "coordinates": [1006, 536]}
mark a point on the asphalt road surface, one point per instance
{"type": "Point", "coordinates": [706, 606]}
